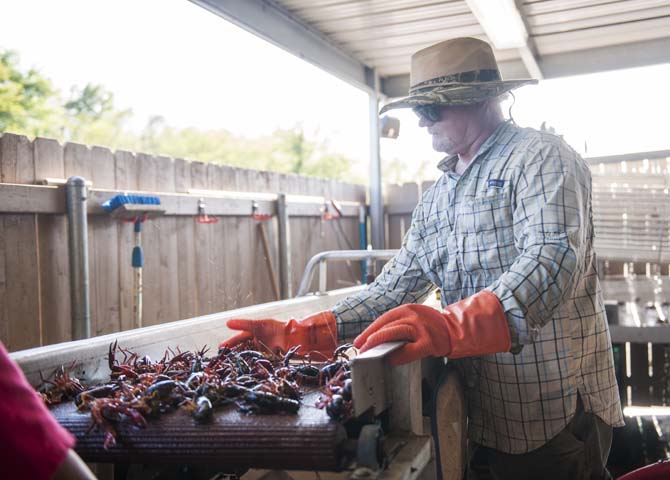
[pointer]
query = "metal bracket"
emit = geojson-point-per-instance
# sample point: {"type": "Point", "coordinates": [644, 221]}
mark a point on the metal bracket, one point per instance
{"type": "Point", "coordinates": [202, 214]}
{"type": "Point", "coordinates": [368, 377]}
{"type": "Point", "coordinates": [369, 452]}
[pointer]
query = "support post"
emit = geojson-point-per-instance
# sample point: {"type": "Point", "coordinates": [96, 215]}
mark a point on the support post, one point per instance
{"type": "Point", "coordinates": [76, 195]}
{"type": "Point", "coordinates": [376, 203]}
{"type": "Point", "coordinates": [362, 224]}
{"type": "Point", "coordinates": [284, 234]}
{"type": "Point", "coordinates": [323, 276]}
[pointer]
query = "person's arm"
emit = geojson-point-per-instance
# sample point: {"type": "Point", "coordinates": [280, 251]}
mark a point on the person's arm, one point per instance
{"type": "Point", "coordinates": [552, 223]}
{"type": "Point", "coordinates": [32, 444]}
{"type": "Point", "coordinates": [401, 281]}
{"type": "Point", "coordinates": [73, 468]}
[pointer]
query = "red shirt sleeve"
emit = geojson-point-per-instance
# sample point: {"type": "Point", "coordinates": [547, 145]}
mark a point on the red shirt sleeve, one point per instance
{"type": "Point", "coordinates": [32, 443]}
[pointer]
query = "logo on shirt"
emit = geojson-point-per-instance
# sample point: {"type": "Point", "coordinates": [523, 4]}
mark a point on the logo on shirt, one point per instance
{"type": "Point", "coordinates": [496, 182]}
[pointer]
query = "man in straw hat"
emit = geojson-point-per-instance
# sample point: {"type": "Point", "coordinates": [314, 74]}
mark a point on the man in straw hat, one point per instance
{"type": "Point", "coordinates": [506, 234]}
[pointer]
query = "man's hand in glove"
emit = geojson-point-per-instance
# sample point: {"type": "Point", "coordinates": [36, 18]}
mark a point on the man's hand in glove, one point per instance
{"type": "Point", "coordinates": [317, 332]}
{"type": "Point", "coordinates": [474, 326]}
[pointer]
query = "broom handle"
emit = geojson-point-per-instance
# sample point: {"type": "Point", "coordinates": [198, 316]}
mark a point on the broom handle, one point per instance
{"type": "Point", "coordinates": [137, 263]}
{"type": "Point", "coordinates": [137, 307]}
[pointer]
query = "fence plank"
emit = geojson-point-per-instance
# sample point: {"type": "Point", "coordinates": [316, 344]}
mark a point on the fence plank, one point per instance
{"type": "Point", "coordinates": [16, 164]}
{"type": "Point", "coordinates": [103, 232]}
{"type": "Point", "coordinates": [186, 261]}
{"type": "Point", "coordinates": [246, 244]}
{"type": "Point", "coordinates": [20, 309]}
{"type": "Point", "coordinates": [203, 238]}
{"type": "Point", "coordinates": [661, 370]}
{"type": "Point", "coordinates": [168, 252]}
{"type": "Point", "coordinates": [228, 247]}
{"type": "Point", "coordinates": [125, 169]}
{"type": "Point", "coordinates": [148, 168]}
{"type": "Point", "coordinates": [54, 268]}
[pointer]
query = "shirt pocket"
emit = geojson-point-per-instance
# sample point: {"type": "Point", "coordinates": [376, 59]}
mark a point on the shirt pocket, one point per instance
{"type": "Point", "coordinates": [486, 235]}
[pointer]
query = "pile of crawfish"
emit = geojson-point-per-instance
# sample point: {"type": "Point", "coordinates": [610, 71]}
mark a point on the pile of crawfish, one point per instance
{"type": "Point", "coordinates": [257, 383]}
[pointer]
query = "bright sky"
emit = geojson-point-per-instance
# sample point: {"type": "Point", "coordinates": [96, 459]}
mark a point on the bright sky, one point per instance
{"type": "Point", "coordinates": [175, 59]}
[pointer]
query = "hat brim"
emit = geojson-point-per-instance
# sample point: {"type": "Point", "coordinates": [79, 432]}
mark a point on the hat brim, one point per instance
{"type": "Point", "coordinates": [457, 94]}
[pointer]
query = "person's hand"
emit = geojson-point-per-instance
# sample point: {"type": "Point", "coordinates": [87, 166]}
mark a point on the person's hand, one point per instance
{"type": "Point", "coordinates": [73, 468]}
{"type": "Point", "coordinates": [476, 325]}
{"type": "Point", "coordinates": [317, 332]}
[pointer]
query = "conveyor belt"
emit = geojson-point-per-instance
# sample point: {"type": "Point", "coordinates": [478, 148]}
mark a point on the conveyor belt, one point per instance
{"type": "Point", "coordinates": [307, 440]}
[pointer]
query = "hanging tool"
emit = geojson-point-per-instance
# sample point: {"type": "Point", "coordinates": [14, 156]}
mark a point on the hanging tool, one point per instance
{"type": "Point", "coordinates": [262, 218]}
{"type": "Point", "coordinates": [137, 263]}
{"type": "Point", "coordinates": [136, 209]}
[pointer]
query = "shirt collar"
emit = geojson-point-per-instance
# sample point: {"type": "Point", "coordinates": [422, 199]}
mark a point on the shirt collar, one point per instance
{"type": "Point", "coordinates": [448, 163]}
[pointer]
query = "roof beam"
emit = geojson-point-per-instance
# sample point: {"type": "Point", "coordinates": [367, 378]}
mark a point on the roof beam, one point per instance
{"type": "Point", "coordinates": [566, 64]}
{"type": "Point", "coordinates": [528, 52]}
{"type": "Point", "coordinates": [269, 21]}
{"type": "Point", "coordinates": [507, 27]}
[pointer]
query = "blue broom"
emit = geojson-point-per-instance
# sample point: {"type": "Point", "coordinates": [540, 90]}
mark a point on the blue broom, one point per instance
{"type": "Point", "coordinates": [135, 208]}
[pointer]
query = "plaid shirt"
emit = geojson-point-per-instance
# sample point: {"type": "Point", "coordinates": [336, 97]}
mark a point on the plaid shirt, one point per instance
{"type": "Point", "coordinates": [517, 222]}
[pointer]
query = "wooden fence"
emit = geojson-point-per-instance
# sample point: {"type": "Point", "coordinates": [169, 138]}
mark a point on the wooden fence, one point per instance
{"type": "Point", "coordinates": [190, 268]}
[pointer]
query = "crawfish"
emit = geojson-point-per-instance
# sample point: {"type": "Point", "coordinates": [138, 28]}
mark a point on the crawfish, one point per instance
{"type": "Point", "coordinates": [104, 411]}
{"type": "Point", "coordinates": [97, 392]}
{"type": "Point", "coordinates": [203, 410]}
{"type": "Point", "coordinates": [62, 387]}
{"type": "Point", "coordinates": [264, 402]}
{"type": "Point", "coordinates": [119, 371]}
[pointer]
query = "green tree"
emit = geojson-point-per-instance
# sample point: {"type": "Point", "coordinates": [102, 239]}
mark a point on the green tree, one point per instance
{"type": "Point", "coordinates": [28, 101]}
{"type": "Point", "coordinates": [30, 105]}
{"type": "Point", "coordinates": [285, 150]}
{"type": "Point", "coordinates": [92, 118]}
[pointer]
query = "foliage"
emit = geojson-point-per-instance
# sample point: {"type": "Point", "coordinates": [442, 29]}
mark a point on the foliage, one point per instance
{"type": "Point", "coordinates": [26, 99]}
{"type": "Point", "coordinates": [30, 105]}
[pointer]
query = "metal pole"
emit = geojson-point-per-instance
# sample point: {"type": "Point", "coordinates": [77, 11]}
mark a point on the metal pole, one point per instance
{"type": "Point", "coordinates": [362, 224]}
{"type": "Point", "coordinates": [323, 276]}
{"type": "Point", "coordinates": [285, 273]}
{"type": "Point", "coordinates": [376, 205]}
{"type": "Point", "coordinates": [339, 255]}
{"type": "Point", "coordinates": [76, 194]}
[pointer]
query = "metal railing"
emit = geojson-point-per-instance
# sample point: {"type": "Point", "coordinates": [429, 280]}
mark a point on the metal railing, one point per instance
{"type": "Point", "coordinates": [321, 260]}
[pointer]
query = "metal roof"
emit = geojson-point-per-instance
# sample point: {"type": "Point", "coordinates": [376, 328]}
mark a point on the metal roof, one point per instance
{"type": "Point", "coordinates": [565, 36]}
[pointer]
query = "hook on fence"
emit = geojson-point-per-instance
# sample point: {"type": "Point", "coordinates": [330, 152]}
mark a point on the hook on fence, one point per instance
{"type": "Point", "coordinates": [202, 214]}
{"type": "Point", "coordinates": [258, 216]}
{"type": "Point", "coordinates": [137, 219]}
{"type": "Point", "coordinates": [326, 215]}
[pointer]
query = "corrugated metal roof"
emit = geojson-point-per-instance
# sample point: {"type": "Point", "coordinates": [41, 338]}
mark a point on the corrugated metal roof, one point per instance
{"type": "Point", "coordinates": [384, 33]}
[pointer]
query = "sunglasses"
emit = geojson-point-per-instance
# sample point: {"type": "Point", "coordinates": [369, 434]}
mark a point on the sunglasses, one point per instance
{"type": "Point", "coordinates": [432, 113]}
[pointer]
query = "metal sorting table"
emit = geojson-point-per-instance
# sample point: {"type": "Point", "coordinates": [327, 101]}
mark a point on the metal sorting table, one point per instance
{"type": "Point", "coordinates": [306, 440]}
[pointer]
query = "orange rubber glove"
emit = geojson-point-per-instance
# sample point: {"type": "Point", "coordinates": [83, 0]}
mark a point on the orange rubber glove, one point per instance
{"type": "Point", "coordinates": [474, 326]}
{"type": "Point", "coordinates": [317, 332]}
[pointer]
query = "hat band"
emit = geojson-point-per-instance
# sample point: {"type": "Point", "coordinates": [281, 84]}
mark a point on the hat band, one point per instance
{"type": "Point", "coordinates": [487, 75]}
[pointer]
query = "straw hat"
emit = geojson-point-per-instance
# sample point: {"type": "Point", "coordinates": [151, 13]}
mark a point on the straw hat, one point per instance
{"type": "Point", "coordinates": [459, 71]}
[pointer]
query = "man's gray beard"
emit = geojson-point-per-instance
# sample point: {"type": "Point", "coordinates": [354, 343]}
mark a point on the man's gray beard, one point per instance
{"type": "Point", "coordinates": [445, 146]}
